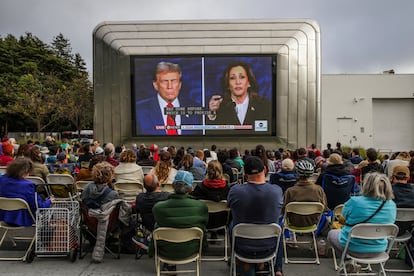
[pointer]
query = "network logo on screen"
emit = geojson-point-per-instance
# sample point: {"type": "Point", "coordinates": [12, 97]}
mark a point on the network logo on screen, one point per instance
{"type": "Point", "coordinates": [260, 125]}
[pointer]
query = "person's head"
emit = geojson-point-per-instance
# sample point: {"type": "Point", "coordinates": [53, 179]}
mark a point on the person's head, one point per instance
{"type": "Point", "coordinates": [19, 168]}
{"type": "Point", "coordinates": [335, 159]}
{"type": "Point", "coordinates": [404, 155]}
{"type": "Point", "coordinates": [183, 182]}
{"type": "Point", "coordinates": [304, 169]}
{"type": "Point", "coordinates": [377, 186]}
{"type": "Point", "coordinates": [233, 153]}
{"type": "Point", "coordinates": [372, 155]}
{"type": "Point", "coordinates": [222, 156]}
{"type": "Point", "coordinates": [8, 149]}
{"type": "Point", "coordinates": [151, 182]}
{"type": "Point", "coordinates": [95, 160]}
{"type": "Point", "coordinates": [188, 161]}
{"type": "Point", "coordinates": [35, 155]}
{"type": "Point", "coordinates": [103, 173]}
{"type": "Point", "coordinates": [255, 169]}
{"type": "Point", "coordinates": [214, 170]}
{"type": "Point", "coordinates": [128, 156]}
{"type": "Point", "coordinates": [62, 157]}
{"type": "Point", "coordinates": [400, 174]}
{"type": "Point", "coordinates": [301, 152]}
{"type": "Point", "coordinates": [109, 149]}
{"type": "Point", "coordinates": [355, 152]}
{"type": "Point", "coordinates": [288, 165]}
{"type": "Point", "coordinates": [239, 79]}
{"type": "Point", "coordinates": [199, 154]}
{"type": "Point", "coordinates": [167, 80]}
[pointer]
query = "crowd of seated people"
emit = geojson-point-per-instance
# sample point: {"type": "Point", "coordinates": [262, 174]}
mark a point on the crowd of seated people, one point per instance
{"type": "Point", "coordinates": [281, 167]}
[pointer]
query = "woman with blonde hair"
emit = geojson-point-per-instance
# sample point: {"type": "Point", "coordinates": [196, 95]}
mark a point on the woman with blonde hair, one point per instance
{"type": "Point", "coordinates": [375, 205]}
{"type": "Point", "coordinates": [128, 171]}
{"type": "Point", "coordinates": [214, 187]}
{"type": "Point", "coordinates": [164, 169]}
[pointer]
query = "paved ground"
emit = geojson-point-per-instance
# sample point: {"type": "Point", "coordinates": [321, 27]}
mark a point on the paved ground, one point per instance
{"type": "Point", "coordinates": [128, 265]}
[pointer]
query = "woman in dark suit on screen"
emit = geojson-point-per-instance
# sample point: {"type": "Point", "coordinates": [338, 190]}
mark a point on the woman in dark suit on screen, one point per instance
{"type": "Point", "coordinates": [240, 103]}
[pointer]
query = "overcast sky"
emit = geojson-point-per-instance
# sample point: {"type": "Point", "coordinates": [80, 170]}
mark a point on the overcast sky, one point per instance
{"type": "Point", "coordinates": [357, 36]}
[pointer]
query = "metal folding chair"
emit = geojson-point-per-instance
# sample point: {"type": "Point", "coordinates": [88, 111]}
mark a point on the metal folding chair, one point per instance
{"type": "Point", "coordinates": [369, 231]}
{"type": "Point", "coordinates": [177, 235]}
{"type": "Point", "coordinates": [255, 232]}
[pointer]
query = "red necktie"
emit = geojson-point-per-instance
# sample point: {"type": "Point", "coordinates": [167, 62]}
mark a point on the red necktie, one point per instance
{"type": "Point", "coordinates": [171, 123]}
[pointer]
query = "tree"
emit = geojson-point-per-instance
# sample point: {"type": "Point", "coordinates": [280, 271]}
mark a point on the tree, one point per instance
{"type": "Point", "coordinates": [42, 86]}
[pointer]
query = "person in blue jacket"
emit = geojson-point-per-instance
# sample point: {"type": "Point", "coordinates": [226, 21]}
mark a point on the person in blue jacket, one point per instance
{"type": "Point", "coordinates": [14, 185]}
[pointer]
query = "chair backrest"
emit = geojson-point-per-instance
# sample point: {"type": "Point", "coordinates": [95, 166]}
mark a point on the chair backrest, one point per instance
{"type": "Point", "coordinates": [197, 183]}
{"type": "Point", "coordinates": [14, 204]}
{"type": "Point", "coordinates": [338, 189]}
{"type": "Point", "coordinates": [371, 231]}
{"type": "Point", "coordinates": [55, 178]}
{"type": "Point", "coordinates": [178, 235]}
{"type": "Point", "coordinates": [312, 211]}
{"type": "Point", "coordinates": [304, 208]}
{"type": "Point", "coordinates": [61, 185]}
{"type": "Point", "coordinates": [167, 187]}
{"type": "Point", "coordinates": [218, 212]}
{"type": "Point", "coordinates": [405, 214]}
{"type": "Point", "coordinates": [36, 179]}
{"type": "Point", "coordinates": [128, 190]}
{"type": "Point", "coordinates": [256, 231]}
{"type": "Point", "coordinates": [81, 184]}
{"type": "Point", "coordinates": [147, 169]}
{"type": "Point", "coordinates": [3, 169]}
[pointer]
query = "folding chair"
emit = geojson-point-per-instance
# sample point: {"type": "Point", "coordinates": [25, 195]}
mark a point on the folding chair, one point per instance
{"type": "Point", "coordinates": [304, 209]}
{"type": "Point", "coordinates": [80, 186]}
{"type": "Point", "coordinates": [219, 217]}
{"type": "Point", "coordinates": [369, 231]}
{"type": "Point", "coordinates": [14, 204]}
{"type": "Point", "coordinates": [89, 229]}
{"type": "Point", "coordinates": [255, 232]}
{"type": "Point", "coordinates": [177, 235]}
{"type": "Point", "coordinates": [167, 187]}
{"type": "Point", "coordinates": [404, 215]}
{"type": "Point", "coordinates": [146, 169]}
{"type": "Point", "coordinates": [40, 184]}
{"type": "Point", "coordinates": [128, 190]}
{"type": "Point", "coordinates": [337, 212]}
{"type": "Point", "coordinates": [3, 169]}
{"type": "Point", "coordinates": [61, 186]}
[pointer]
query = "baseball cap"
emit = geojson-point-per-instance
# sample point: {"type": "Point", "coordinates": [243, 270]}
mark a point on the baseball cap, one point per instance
{"type": "Point", "coordinates": [184, 177]}
{"type": "Point", "coordinates": [61, 156]}
{"type": "Point", "coordinates": [253, 165]}
{"type": "Point", "coordinates": [401, 171]}
{"type": "Point", "coordinates": [99, 150]}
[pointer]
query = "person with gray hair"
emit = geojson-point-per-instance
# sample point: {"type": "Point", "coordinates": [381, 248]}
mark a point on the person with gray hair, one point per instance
{"type": "Point", "coordinates": [152, 117]}
{"type": "Point", "coordinates": [375, 205]}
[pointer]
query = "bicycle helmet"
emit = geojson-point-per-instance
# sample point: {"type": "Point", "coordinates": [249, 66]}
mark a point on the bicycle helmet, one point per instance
{"type": "Point", "coordinates": [304, 168]}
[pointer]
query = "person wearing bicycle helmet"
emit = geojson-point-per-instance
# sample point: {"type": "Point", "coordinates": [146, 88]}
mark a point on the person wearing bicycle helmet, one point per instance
{"type": "Point", "coordinates": [304, 191]}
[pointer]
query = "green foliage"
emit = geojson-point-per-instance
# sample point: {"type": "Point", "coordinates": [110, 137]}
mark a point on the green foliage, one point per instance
{"type": "Point", "coordinates": [42, 86]}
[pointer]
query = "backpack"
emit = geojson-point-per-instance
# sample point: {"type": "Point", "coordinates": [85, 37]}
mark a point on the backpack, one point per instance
{"type": "Point", "coordinates": [338, 189]}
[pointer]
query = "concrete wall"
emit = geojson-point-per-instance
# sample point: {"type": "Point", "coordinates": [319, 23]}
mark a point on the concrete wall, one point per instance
{"type": "Point", "coordinates": [368, 111]}
{"type": "Point", "coordinates": [296, 43]}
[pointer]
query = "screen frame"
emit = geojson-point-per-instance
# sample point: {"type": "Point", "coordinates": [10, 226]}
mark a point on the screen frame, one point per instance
{"type": "Point", "coordinates": [177, 58]}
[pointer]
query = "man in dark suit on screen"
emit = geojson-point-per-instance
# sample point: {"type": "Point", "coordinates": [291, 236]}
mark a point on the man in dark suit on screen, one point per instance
{"type": "Point", "coordinates": [157, 115]}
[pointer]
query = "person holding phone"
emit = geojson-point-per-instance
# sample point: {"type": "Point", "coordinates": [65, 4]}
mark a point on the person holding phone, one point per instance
{"type": "Point", "coordinates": [240, 103]}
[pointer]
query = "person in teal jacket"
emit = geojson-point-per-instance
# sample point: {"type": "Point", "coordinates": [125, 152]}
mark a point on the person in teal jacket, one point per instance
{"type": "Point", "coordinates": [376, 190]}
{"type": "Point", "coordinates": [180, 210]}
{"type": "Point", "coordinates": [14, 185]}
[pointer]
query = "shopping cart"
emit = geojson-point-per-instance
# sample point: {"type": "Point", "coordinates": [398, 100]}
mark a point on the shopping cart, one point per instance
{"type": "Point", "coordinates": [57, 230]}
